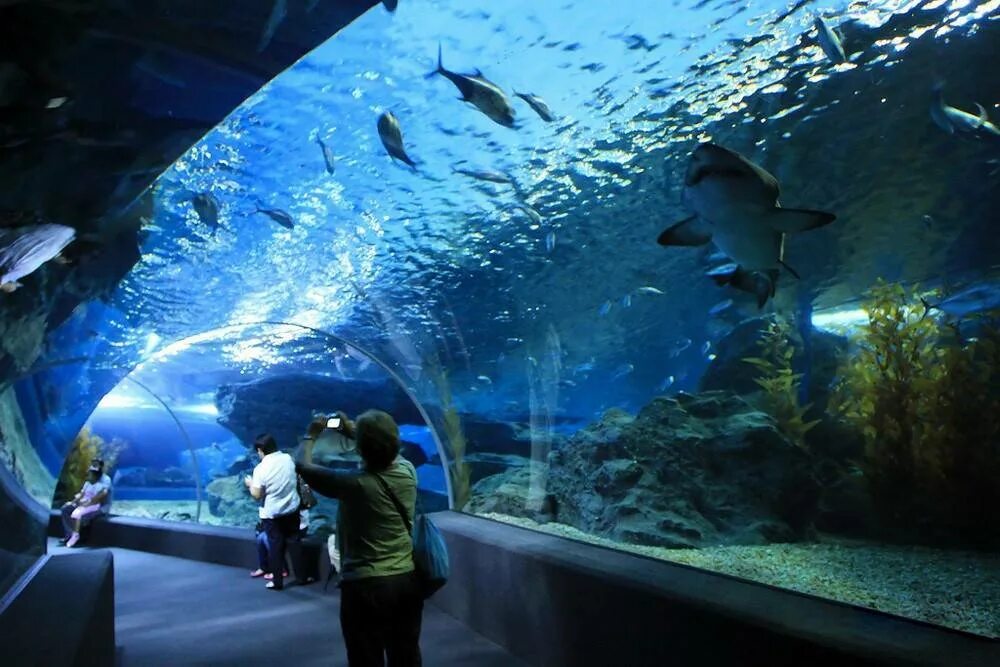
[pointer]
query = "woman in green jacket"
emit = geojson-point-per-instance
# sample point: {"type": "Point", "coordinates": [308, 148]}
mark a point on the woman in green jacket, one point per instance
{"type": "Point", "coordinates": [380, 604]}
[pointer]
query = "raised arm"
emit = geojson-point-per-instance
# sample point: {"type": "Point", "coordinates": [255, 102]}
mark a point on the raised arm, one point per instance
{"type": "Point", "coordinates": [330, 483]}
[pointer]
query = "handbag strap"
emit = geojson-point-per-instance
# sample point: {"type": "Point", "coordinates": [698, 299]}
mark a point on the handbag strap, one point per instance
{"type": "Point", "coordinates": [395, 501]}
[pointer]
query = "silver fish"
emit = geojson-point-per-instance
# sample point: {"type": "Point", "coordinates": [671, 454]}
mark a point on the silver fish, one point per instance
{"type": "Point", "coordinates": [23, 250]}
{"type": "Point", "coordinates": [539, 105]}
{"type": "Point", "coordinates": [953, 120]}
{"type": "Point", "coordinates": [622, 371]}
{"type": "Point", "coordinates": [734, 203]}
{"type": "Point", "coordinates": [830, 41]}
{"type": "Point", "coordinates": [278, 216]}
{"type": "Point", "coordinates": [627, 301]}
{"type": "Point", "coordinates": [392, 138]}
{"type": "Point", "coordinates": [605, 308]}
{"type": "Point", "coordinates": [550, 242]}
{"type": "Point", "coordinates": [720, 307]}
{"type": "Point", "coordinates": [278, 12]}
{"type": "Point", "coordinates": [648, 290]}
{"type": "Point", "coordinates": [327, 156]}
{"type": "Point", "coordinates": [534, 215]}
{"type": "Point", "coordinates": [485, 175]}
{"type": "Point", "coordinates": [481, 93]}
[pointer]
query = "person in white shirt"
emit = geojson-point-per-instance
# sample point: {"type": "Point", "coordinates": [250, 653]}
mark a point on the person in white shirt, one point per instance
{"type": "Point", "coordinates": [274, 481]}
{"type": "Point", "coordinates": [93, 500]}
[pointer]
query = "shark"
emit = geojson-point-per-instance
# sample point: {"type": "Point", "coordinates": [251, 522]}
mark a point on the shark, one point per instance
{"type": "Point", "coordinates": [25, 249]}
{"type": "Point", "coordinates": [392, 138]}
{"type": "Point", "coordinates": [734, 204]}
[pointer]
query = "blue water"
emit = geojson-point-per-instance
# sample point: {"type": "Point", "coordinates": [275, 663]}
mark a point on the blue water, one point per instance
{"type": "Point", "coordinates": [154, 493]}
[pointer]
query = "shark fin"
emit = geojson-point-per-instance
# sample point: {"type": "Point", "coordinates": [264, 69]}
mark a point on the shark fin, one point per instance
{"type": "Point", "coordinates": [687, 232]}
{"type": "Point", "coordinates": [788, 220]}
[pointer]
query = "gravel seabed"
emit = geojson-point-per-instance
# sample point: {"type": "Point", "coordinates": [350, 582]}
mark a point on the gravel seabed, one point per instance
{"type": "Point", "coordinates": [956, 589]}
{"type": "Point", "coordinates": [156, 509]}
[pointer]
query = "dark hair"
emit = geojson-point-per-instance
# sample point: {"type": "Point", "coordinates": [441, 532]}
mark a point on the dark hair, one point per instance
{"type": "Point", "coordinates": [97, 465]}
{"type": "Point", "coordinates": [378, 439]}
{"type": "Point", "coordinates": [266, 443]}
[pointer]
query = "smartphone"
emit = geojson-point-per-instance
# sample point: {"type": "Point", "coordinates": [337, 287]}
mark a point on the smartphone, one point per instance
{"type": "Point", "coordinates": [333, 422]}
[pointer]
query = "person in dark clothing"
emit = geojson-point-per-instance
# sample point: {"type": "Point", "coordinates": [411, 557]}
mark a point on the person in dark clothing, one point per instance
{"type": "Point", "coordinates": [381, 604]}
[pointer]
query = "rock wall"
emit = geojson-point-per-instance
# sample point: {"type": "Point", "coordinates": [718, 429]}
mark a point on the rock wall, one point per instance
{"type": "Point", "coordinates": [284, 406]}
{"type": "Point", "coordinates": [689, 471]}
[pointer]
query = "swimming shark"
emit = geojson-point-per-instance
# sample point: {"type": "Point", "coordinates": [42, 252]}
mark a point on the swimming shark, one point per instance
{"type": "Point", "coordinates": [952, 120]}
{"type": "Point", "coordinates": [481, 93]}
{"type": "Point", "coordinates": [734, 204]}
{"type": "Point", "coordinates": [24, 249]}
{"type": "Point", "coordinates": [392, 138]}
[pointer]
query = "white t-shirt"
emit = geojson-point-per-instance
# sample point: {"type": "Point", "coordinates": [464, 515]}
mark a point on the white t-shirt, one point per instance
{"type": "Point", "coordinates": [91, 489]}
{"type": "Point", "coordinates": [275, 475]}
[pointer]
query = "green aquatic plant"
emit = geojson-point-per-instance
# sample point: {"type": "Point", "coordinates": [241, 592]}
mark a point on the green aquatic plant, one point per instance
{"type": "Point", "coordinates": [780, 383]}
{"type": "Point", "coordinates": [927, 401]}
{"type": "Point", "coordinates": [458, 468]}
{"type": "Point", "coordinates": [85, 448]}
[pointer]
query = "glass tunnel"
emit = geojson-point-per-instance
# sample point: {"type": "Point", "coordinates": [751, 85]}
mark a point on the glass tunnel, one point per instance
{"type": "Point", "coordinates": [586, 321]}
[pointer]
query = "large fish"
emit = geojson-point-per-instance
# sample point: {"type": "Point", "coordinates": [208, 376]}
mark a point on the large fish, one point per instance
{"type": "Point", "coordinates": [952, 120]}
{"type": "Point", "coordinates": [207, 207]}
{"type": "Point", "coordinates": [735, 205]}
{"type": "Point", "coordinates": [328, 157]}
{"type": "Point", "coordinates": [24, 249]}
{"type": "Point", "coordinates": [481, 93]}
{"type": "Point", "coordinates": [392, 138]}
{"type": "Point", "coordinates": [278, 216]}
{"type": "Point", "coordinates": [830, 40]}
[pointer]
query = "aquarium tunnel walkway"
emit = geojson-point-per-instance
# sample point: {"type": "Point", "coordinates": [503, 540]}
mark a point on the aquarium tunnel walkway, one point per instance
{"type": "Point", "coordinates": [150, 592]}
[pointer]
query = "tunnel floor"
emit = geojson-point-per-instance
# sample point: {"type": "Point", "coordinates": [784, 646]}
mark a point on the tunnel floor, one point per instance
{"type": "Point", "coordinates": [172, 611]}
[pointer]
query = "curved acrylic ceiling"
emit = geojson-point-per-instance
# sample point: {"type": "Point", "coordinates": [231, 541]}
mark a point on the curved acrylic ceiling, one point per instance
{"type": "Point", "coordinates": [544, 276]}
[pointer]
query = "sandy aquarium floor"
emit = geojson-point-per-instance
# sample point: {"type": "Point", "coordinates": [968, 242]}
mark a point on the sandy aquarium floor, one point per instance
{"type": "Point", "coordinates": [169, 510]}
{"type": "Point", "coordinates": [956, 589]}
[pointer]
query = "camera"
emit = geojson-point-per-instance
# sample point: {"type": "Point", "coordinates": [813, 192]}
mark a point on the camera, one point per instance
{"type": "Point", "coordinates": [333, 422]}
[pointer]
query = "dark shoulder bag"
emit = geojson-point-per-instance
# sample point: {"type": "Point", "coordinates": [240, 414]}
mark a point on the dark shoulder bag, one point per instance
{"type": "Point", "coordinates": [430, 554]}
{"type": "Point", "coordinates": [307, 500]}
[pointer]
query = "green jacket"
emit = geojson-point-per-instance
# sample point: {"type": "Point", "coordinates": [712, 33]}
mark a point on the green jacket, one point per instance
{"type": "Point", "coordinates": [371, 536]}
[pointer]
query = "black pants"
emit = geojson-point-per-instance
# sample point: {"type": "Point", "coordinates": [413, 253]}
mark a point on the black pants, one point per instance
{"type": "Point", "coordinates": [380, 618]}
{"type": "Point", "coordinates": [279, 530]}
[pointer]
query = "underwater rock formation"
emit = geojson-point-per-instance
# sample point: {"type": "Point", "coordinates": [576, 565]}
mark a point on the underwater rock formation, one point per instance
{"type": "Point", "coordinates": [689, 471]}
{"type": "Point", "coordinates": [283, 406]}
{"type": "Point", "coordinates": [730, 371]}
{"type": "Point", "coordinates": [228, 498]}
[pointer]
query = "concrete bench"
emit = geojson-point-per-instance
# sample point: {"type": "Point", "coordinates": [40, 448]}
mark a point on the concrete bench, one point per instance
{"type": "Point", "coordinates": [224, 545]}
{"type": "Point", "coordinates": [64, 615]}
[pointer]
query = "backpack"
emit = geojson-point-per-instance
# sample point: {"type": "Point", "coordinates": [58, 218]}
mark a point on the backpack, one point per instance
{"type": "Point", "coordinates": [430, 553]}
{"type": "Point", "coordinates": [307, 500]}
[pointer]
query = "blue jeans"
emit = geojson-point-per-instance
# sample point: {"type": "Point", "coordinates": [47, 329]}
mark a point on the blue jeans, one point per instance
{"type": "Point", "coordinates": [262, 552]}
